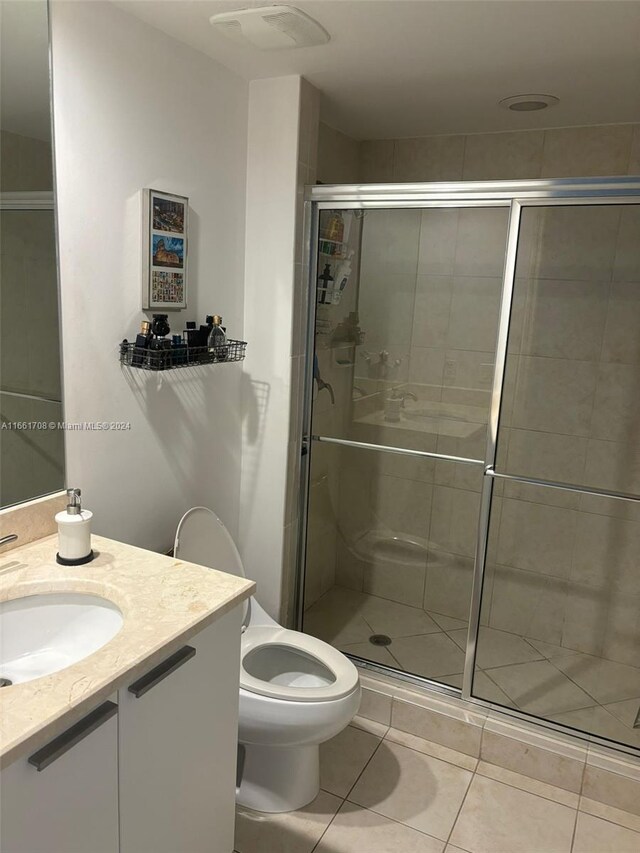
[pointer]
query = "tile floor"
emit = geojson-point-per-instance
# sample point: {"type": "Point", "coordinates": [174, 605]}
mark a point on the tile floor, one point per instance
{"type": "Point", "coordinates": [386, 791]}
{"type": "Point", "coordinates": [579, 690]}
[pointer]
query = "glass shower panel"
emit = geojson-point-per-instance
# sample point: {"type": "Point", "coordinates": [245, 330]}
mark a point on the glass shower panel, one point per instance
{"type": "Point", "coordinates": [390, 543]}
{"type": "Point", "coordinates": [571, 403]}
{"type": "Point", "coordinates": [560, 629]}
{"type": "Point", "coordinates": [407, 344]}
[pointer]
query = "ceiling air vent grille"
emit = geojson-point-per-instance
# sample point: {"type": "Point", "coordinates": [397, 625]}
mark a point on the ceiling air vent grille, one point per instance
{"type": "Point", "coordinates": [271, 27]}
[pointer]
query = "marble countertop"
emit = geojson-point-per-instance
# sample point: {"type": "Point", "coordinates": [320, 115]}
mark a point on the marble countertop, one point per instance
{"type": "Point", "coordinates": [164, 602]}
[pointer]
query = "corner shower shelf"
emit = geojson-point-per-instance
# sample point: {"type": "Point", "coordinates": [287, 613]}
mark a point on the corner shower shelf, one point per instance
{"type": "Point", "coordinates": [172, 359]}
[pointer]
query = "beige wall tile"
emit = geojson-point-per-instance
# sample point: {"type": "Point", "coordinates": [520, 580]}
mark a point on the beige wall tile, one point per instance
{"type": "Point", "coordinates": [481, 241]}
{"type": "Point", "coordinates": [528, 604]}
{"type": "Point", "coordinates": [375, 706]}
{"type": "Point", "coordinates": [627, 263]}
{"type": "Point", "coordinates": [461, 735]}
{"type": "Point", "coordinates": [430, 158]}
{"type": "Point", "coordinates": [586, 151]}
{"type": "Point", "coordinates": [536, 537]}
{"type": "Point", "coordinates": [546, 455]}
{"type": "Point", "coordinates": [431, 311]}
{"type": "Point", "coordinates": [620, 343]}
{"type": "Point", "coordinates": [448, 585]}
{"type": "Point", "coordinates": [575, 243]}
{"type": "Point", "coordinates": [546, 765]}
{"type": "Point", "coordinates": [438, 234]}
{"type": "Point", "coordinates": [503, 156]}
{"type": "Point", "coordinates": [634, 158]}
{"type": "Point", "coordinates": [565, 319]}
{"type": "Point", "coordinates": [475, 306]}
{"type": "Point", "coordinates": [528, 783]}
{"type": "Point", "coordinates": [606, 554]}
{"type": "Point", "coordinates": [393, 581]}
{"type": "Point", "coordinates": [454, 519]}
{"type": "Point", "coordinates": [338, 157]}
{"type": "Point", "coordinates": [376, 160]}
{"type": "Point", "coordinates": [616, 412]}
{"type": "Point", "coordinates": [556, 395]}
{"type": "Point", "coordinates": [428, 747]}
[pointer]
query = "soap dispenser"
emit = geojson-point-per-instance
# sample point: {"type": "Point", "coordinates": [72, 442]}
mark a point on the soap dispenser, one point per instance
{"type": "Point", "coordinates": [74, 532]}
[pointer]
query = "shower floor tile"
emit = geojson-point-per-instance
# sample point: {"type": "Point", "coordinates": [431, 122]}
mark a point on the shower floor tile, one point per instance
{"type": "Point", "coordinates": [579, 690]}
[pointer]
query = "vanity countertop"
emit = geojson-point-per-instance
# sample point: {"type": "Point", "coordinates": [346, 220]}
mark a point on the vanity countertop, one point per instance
{"type": "Point", "coordinates": [164, 602]}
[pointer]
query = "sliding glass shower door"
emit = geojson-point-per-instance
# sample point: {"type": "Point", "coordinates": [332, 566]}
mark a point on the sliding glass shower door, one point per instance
{"type": "Point", "coordinates": [561, 600]}
{"type": "Point", "coordinates": [404, 365]}
{"type": "Point", "coordinates": [473, 477]}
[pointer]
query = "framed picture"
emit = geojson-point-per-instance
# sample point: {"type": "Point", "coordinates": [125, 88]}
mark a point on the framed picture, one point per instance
{"type": "Point", "coordinates": [164, 250]}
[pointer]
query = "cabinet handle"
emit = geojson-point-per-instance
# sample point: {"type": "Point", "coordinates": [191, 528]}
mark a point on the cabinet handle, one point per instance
{"type": "Point", "coordinates": [63, 743]}
{"type": "Point", "coordinates": [158, 673]}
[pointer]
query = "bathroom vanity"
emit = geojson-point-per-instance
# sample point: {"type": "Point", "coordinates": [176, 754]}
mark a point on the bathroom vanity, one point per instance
{"type": "Point", "coordinates": [133, 747]}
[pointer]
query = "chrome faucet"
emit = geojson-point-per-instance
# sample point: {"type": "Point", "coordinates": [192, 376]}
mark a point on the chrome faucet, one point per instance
{"type": "Point", "coordinates": [396, 394]}
{"type": "Point", "coordinates": [10, 538]}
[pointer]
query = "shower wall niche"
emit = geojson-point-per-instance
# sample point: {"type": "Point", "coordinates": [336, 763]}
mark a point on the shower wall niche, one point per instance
{"type": "Point", "coordinates": [451, 512]}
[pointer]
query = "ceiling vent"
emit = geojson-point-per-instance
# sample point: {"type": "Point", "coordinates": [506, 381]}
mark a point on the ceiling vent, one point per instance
{"type": "Point", "coordinates": [271, 28]}
{"type": "Point", "coordinates": [528, 103]}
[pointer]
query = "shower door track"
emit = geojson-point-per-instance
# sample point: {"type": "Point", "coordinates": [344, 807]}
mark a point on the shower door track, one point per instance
{"type": "Point", "coordinates": [514, 195]}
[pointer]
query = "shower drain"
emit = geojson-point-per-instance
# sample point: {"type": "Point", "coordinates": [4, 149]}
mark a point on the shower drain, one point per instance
{"type": "Point", "coordinates": [5, 682]}
{"type": "Point", "coordinates": [380, 640]}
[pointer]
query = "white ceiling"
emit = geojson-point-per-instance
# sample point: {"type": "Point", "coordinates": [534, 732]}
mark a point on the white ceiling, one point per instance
{"type": "Point", "coordinates": [24, 68]}
{"type": "Point", "coordinates": [401, 68]}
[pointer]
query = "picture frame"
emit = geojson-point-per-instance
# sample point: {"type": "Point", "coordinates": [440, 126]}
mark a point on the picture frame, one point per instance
{"type": "Point", "coordinates": [164, 250]}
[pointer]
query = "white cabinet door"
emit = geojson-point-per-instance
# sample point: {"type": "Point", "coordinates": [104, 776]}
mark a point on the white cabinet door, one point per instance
{"type": "Point", "coordinates": [71, 804]}
{"type": "Point", "coordinates": [178, 743]}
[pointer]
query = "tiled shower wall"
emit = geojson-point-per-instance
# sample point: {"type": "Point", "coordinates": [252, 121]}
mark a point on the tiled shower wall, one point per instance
{"type": "Point", "coordinates": [563, 568]}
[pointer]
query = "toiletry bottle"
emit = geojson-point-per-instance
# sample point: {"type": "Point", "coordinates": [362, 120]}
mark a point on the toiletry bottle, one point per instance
{"type": "Point", "coordinates": [217, 340]}
{"type": "Point", "coordinates": [178, 351]}
{"type": "Point", "coordinates": [325, 286]}
{"type": "Point", "coordinates": [203, 338]}
{"type": "Point", "coordinates": [74, 532]}
{"type": "Point", "coordinates": [142, 343]}
{"type": "Point", "coordinates": [160, 344]}
{"type": "Point", "coordinates": [190, 336]}
{"type": "Point", "coordinates": [342, 277]}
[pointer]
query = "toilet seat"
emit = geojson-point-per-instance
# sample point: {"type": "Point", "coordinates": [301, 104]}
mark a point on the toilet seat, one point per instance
{"type": "Point", "coordinates": [294, 666]}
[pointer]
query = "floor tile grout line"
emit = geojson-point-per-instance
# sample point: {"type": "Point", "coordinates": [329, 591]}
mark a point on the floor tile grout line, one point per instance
{"type": "Point", "coordinates": [395, 820]}
{"type": "Point", "coordinates": [326, 829]}
{"type": "Point", "coordinates": [464, 799]}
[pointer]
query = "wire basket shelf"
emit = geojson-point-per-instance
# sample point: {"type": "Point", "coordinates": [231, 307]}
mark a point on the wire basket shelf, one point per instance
{"type": "Point", "coordinates": [180, 356]}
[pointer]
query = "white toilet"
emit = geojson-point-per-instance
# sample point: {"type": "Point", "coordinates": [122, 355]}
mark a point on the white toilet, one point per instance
{"type": "Point", "coordinates": [295, 691]}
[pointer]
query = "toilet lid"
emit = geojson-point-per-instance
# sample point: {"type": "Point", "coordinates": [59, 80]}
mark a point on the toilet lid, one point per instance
{"type": "Point", "coordinates": [285, 664]}
{"type": "Point", "coordinates": [203, 539]}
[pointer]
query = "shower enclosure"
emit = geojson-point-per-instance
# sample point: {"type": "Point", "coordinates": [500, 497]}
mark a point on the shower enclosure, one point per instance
{"type": "Point", "coordinates": [471, 484]}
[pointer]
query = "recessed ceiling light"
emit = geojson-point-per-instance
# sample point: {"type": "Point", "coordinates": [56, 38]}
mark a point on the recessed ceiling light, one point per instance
{"type": "Point", "coordinates": [528, 103]}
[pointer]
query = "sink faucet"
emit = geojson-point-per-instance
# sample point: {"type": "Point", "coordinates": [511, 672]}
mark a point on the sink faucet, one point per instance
{"type": "Point", "coordinates": [10, 538]}
{"type": "Point", "coordinates": [396, 394]}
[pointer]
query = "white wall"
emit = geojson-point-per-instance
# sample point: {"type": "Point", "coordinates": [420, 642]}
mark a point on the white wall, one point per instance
{"type": "Point", "coordinates": [134, 108]}
{"type": "Point", "coordinates": [272, 176]}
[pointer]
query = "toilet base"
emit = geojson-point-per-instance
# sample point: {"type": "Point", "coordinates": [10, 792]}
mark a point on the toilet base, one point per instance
{"type": "Point", "coordinates": [278, 779]}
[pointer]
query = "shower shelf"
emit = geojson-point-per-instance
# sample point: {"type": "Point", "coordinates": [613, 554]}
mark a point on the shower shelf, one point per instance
{"type": "Point", "coordinates": [171, 359]}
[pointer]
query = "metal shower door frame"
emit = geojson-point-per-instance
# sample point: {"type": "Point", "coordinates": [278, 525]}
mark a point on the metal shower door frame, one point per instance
{"type": "Point", "coordinates": [516, 196]}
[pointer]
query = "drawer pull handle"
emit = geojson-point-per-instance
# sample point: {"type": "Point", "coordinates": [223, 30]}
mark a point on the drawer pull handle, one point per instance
{"type": "Point", "coordinates": [160, 672]}
{"type": "Point", "coordinates": [64, 742]}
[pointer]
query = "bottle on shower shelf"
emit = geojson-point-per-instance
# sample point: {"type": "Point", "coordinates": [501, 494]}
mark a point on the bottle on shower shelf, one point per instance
{"type": "Point", "coordinates": [217, 340]}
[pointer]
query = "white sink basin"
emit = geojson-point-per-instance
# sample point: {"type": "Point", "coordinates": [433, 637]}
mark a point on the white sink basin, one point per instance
{"type": "Point", "coordinates": [41, 634]}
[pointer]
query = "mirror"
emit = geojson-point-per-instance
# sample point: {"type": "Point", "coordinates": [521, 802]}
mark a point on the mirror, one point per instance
{"type": "Point", "coordinates": [31, 434]}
